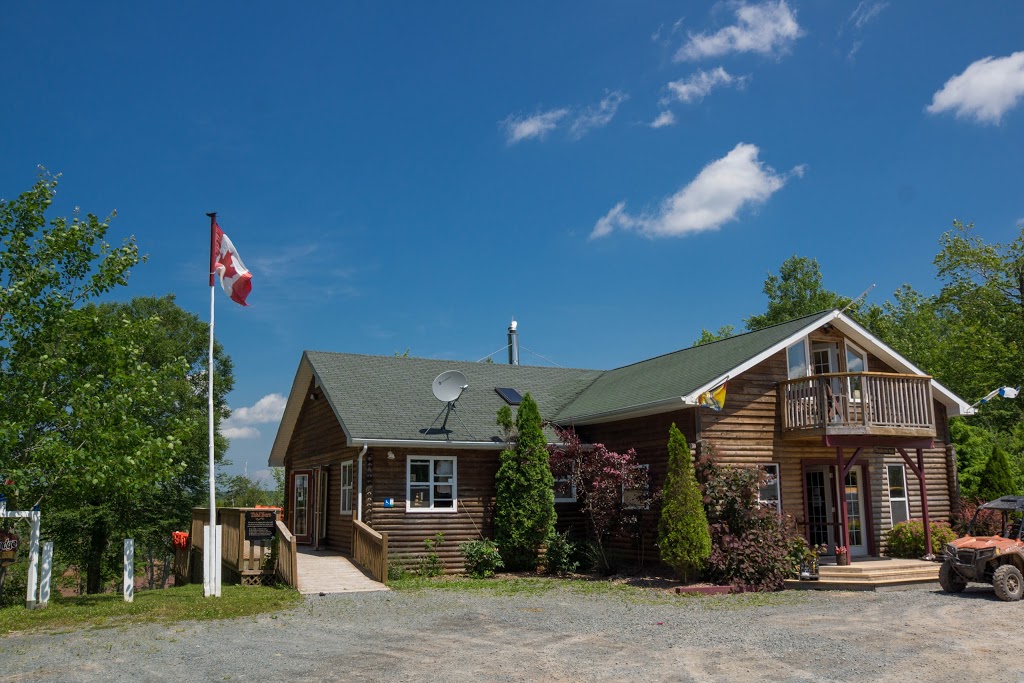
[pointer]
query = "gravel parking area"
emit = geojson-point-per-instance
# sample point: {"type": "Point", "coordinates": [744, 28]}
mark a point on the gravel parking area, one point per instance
{"type": "Point", "coordinates": [560, 635]}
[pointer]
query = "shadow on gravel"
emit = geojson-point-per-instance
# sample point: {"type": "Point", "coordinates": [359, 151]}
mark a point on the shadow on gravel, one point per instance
{"type": "Point", "coordinates": [985, 593]}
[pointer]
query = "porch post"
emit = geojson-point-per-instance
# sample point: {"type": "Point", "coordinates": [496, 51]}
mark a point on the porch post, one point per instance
{"type": "Point", "coordinates": [928, 554]}
{"type": "Point", "coordinates": [841, 500]}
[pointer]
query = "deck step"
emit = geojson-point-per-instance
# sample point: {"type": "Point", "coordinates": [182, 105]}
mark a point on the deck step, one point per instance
{"type": "Point", "coordinates": [872, 575]}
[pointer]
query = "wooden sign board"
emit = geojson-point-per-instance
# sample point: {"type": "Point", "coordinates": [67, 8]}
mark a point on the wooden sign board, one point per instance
{"type": "Point", "coordinates": [260, 525]}
{"type": "Point", "coordinates": [9, 543]}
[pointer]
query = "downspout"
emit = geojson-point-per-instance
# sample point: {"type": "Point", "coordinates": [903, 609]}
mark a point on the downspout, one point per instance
{"type": "Point", "coordinates": [359, 495]}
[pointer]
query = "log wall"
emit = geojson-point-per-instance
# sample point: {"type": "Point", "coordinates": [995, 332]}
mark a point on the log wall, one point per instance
{"type": "Point", "coordinates": [319, 441]}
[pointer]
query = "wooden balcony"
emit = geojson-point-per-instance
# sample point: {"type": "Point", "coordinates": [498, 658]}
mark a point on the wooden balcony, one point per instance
{"type": "Point", "coordinates": [857, 404]}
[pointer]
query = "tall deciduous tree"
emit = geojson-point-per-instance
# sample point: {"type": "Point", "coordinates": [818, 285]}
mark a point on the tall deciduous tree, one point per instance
{"type": "Point", "coordinates": [683, 536]}
{"type": "Point", "coordinates": [95, 404]}
{"type": "Point", "coordinates": [796, 291]}
{"type": "Point", "coordinates": [524, 499]}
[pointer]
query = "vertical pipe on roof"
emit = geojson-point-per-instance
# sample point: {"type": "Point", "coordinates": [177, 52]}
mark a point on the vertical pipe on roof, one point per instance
{"type": "Point", "coordinates": [513, 344]}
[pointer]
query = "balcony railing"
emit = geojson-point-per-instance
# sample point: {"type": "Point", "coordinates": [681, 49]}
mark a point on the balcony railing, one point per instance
{"type": "Point", "coordinates": [869, 403]}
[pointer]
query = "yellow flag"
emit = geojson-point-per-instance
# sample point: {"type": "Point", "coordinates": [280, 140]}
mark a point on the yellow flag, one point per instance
{"type": "Point", "coordinates": [715, 398]}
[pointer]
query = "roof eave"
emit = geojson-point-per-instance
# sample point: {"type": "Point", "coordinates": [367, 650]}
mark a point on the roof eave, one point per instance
{"type": "Point", "coordinates": [653, 408]}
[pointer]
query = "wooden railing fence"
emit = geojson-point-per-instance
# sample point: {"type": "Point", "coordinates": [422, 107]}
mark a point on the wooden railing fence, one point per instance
{"type": "Point", "coordinates": [286, 560]}
{"type": "Point", "coordinates": [248, 562]}
{"type": "Point", "coordinates": [846, 401]}
{"type": "Point", "coordinates": [370, 550]}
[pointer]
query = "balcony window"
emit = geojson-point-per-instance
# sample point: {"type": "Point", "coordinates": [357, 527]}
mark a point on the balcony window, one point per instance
{"type": "Point", "coordinates": [797, 358]}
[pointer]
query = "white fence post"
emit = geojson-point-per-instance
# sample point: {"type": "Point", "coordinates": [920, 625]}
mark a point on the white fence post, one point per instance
{"type": "Point", "coordinates": [33, 560]}
{"type": "Point", "coordinates": [47, 570]}
{"type": "Point", "coordinates": [129, 569]}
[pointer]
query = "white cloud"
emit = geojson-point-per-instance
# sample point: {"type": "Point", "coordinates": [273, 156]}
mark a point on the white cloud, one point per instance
{"type": "Point", "coordinates": [985, 91]}
{"type": "Point", "coordinates": [695, 87]}
{"type": "Point", "coordinates": [665, 118]}
{"type": "Point", "coordinates": [597, 116]}
{"type": "Point", "coordinates": [865, 11]}
{"type": "Point", "coordinates": [536, 126]}
{"type": "Point", "coordinates": [715, 197]}
{"type": "Point", "coordinates": [240, 432]}
{"type": "Point", "coordinates": [769, 29]}
{"type": "Point", "coordinates": [268, 409]}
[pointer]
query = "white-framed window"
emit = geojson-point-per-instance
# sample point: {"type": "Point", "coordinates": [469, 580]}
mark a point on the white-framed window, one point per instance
{"type": "Point", "coordinates": [565, 489]}
{"type": "Point", "coordinates": [856, 361]}
{"type": "Point", "coordinates": [431, 484]}
{"type": "Point", "coordinates": [770, 493]}
{"type": "Point", "coordinates": [346, 487]}
{"type": "Point", "coordinates": [898, 504]}
{"type": "Point", "coordinates": [638, 498]}
{"type": "Point", "coordinates": [796, 357]}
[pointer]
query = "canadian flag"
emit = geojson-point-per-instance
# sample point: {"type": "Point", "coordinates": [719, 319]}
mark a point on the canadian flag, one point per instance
{"type": "Point", "coordinates": [235, 278]}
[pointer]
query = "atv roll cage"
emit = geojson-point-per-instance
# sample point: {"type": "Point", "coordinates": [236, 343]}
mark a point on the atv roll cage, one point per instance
{"type": "Point", "coordinates": [1006, 506]}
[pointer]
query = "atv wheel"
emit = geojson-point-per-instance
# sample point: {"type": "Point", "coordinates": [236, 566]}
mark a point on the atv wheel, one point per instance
{"type": "Point", "coordinates": [950, 579]}
{"type": "Point", "coordinates": [1008, 582]}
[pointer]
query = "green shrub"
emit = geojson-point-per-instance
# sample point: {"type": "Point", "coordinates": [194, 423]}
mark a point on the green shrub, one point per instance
{"type": "Point", "coordinates": [396, 570]}
{"type": "Point", "coordinates": [524, 499]}
{"type": "Point", "coordinates": [562, 554]}
{"type": "Point", "coordinates": [906, 539]}
{"type": "Point", "coordinates": [482, 558]}
{"type": "Point", "coordinates": [997, 477]}
{"type": "Point", "coordinates": [430, 563]}
{"type": "Point", "coordinates": [683, 536]}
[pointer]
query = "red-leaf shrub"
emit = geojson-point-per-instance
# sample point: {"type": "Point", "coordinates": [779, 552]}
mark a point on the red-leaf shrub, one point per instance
{"type": "Point", "coordinates": [988, 523]}
{"type": "Point", "coordinates": [752, 547]}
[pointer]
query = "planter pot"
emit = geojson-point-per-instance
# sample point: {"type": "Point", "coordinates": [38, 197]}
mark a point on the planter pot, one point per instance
{"type": "Point", "coordinates": [704, 590]}
{"type": "Point", "coordinates": [842, 559]}
{"type": "Point", "coordinates": [809, 570]}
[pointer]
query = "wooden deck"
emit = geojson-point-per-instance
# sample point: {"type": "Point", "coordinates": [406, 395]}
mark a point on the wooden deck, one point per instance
{"type": "Point", "coordinates": [325, 571]}
{"type": "Point", "coordinates": [872, 574]}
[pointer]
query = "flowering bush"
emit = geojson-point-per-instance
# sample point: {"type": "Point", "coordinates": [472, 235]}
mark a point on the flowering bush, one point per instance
{"type": "Point", "coordinates": [842, 550]}
{"type": "Point", "coordinates": [179, 539]}
{"type": "Point", "coordinates": [906, 539]}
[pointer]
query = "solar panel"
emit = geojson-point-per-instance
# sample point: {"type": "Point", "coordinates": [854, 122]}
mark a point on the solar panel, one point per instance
{"type": "Point", "coordinates": [510, 395]}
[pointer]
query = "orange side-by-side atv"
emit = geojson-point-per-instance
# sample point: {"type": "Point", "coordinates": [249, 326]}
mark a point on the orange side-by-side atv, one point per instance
{"type": "Point", "coordinates": [996, 559]}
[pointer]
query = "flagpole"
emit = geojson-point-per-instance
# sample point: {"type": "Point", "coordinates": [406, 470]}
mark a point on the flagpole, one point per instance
{"type": "Point", "coordinates": [211, 583]}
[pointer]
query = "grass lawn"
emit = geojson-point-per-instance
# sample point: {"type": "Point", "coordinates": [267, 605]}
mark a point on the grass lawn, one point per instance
{"type": "Point", "coordinates": [172, 604]}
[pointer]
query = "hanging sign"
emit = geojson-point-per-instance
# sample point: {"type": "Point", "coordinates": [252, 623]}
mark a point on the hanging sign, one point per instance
{"type": "Point", "coordinates": [260, 525]}
{"type": "Point", "coordinates": [9, 543]}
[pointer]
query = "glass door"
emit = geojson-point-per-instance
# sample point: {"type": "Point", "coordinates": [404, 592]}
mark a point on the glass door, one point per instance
{"type": "Point", "coordinates": [819, 507]}
{"type": "Point", "coordinates": [853, 494]}
{"type": "Point", "coordinates": [301, 526]}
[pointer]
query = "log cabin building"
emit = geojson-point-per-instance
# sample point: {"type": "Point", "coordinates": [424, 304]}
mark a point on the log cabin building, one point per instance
{"type": "Point", "coordinates": [853, 437]}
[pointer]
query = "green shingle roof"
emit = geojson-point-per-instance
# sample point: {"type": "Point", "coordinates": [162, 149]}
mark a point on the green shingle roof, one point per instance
{"type": "Point", "coordinates": [387, 397]}
{"type": "Point", "coordinates": [390, 398]}
{"type": "Point", "coordinates": [675, 374]}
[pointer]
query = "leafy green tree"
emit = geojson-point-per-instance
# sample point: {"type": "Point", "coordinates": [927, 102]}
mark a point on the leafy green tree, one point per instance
{"type": "Point", "coordinates": [997, 478]}
{"type": "Point", "coordinates": [683, 536]}
{"type": "Point", "coordinates": [94, 412]}
{"type": "Point", "coordinates": [524, 501]}
{"type": "Point", "coordinates": [974, 445]}
{"type": "Point", "coordinates": [241, 491]}
{"type": "Point", "coordinates": [707, 336]}
{"type": "Point", "coordinates": [796, 291]}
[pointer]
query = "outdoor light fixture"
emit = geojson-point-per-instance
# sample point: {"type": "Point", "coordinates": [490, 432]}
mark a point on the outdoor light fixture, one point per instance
{"type": "Point", "coordinates": [391, 455]}
{"type": "Point", "coordinates": [1003, 392]}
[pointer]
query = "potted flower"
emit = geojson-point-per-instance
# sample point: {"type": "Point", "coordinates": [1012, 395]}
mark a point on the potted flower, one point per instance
{"type": "Point", "coordinates": [810, 563]}
{"type": "Point", "coordinates": [842, 555]}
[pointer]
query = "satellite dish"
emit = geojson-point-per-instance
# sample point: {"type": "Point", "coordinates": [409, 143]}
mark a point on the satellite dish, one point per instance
{"type": "Point", "coordinates": [449, 385]}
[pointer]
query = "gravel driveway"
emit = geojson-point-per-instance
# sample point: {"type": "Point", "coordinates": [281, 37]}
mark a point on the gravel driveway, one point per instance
{"type": "Point", "coordinates": [910, 635]}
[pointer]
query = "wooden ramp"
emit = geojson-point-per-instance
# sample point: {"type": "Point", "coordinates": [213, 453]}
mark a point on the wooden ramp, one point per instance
{"type": "Point", "coordinates": [325, 571]}
{"type": "Point", "coordinates": [872, 574]}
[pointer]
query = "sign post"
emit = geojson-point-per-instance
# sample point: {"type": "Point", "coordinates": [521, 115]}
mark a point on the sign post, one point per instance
{"type": "Point", "coordinates": [33, 549]}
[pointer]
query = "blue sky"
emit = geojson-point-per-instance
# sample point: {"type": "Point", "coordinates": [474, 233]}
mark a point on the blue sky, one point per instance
{"type": "Point", "coordinates": [616, 175]}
